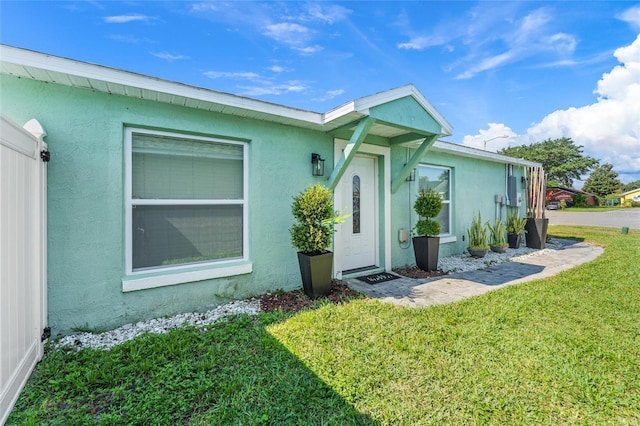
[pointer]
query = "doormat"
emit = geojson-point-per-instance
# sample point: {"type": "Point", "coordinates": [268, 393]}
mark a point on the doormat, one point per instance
{"type": "Point", "coordinates": [378, 278]}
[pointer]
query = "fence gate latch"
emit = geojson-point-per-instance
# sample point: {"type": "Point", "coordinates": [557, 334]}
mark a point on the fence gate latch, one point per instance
{"type": "Point", "coordinates": [46, 333]}
{"type": "Point", "coordinates": [45, 155]}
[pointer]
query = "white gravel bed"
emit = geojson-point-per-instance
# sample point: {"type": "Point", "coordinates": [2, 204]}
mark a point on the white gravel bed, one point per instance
{"type": "Point", "coordinates": [464, 262]}
{"type": "Point", "coordinates": [109, 339]}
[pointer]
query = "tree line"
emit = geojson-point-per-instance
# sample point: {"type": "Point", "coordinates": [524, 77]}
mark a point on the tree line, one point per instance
{"type": "Point", "coordinates": [564, 162]}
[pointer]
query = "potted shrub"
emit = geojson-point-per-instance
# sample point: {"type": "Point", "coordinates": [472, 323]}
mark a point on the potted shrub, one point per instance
{"type": "Point", "coordinates": [497, 242]}
{"type": "Point", "coordinates": [515, 226]}
{"type": "Point", "coordinates": [311, 236]}
{"type": "Point", "coordinates": [478, 239]}
{"type": "Point", "coordinates": [426, 242]}
{"type": "Point", "coordinates": [536, 226]}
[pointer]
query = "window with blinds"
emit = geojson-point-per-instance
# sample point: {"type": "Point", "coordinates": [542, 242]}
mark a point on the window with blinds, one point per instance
{"type": "Point", "coordinates": [187, 200]}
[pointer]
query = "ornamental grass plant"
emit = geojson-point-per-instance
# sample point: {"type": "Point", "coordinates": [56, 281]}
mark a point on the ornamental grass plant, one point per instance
{"type": "Point", "coordinates": [497, 232]}
{"type": "Point", "coordinates": [515, 225]}
{"type": "Point", "coordinates": [478, 234]}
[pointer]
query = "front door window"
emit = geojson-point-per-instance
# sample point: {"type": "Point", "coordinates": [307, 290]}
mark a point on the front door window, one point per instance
{"type": "Point", "coordinates": [356, 204]}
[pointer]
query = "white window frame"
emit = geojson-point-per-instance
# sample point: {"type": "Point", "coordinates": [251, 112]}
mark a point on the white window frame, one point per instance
{"type": "Point", "coordinates": [162, 276]}
{"type": "Point", "coordinates": [448, 237]}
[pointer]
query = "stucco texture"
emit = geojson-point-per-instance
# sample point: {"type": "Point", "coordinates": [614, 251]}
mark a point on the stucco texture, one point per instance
{"type": "Point", "coordinates": [474, 186]}
{"type": "Point", "coordinates": [86, 210]}
{"type": "Point", "coordinates": [86, 199]}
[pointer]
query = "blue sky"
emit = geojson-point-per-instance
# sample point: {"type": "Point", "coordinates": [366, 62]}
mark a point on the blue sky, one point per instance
{"type": "Point", "coordinates": [528, 70]}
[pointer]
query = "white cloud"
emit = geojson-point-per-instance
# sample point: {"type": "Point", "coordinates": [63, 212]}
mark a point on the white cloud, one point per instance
{"type": "Point", "coordinates": [490, 37]}
{"type": "Point", "coordinates": [631, 16]}
{"type": "Point", "coordinates": [233, 75]}
{"type": "Point", "coordinates": [205, 7]}
{"type": "Point", "coordinates": [327, 13]}
{"type": "Point", "coordinates": [259, 85]}
{"type": "Point", "coordinates": [608, 129]}
{"type": "Point", "coordinates": [562, 43]}
{"type": "Point", "coordinates": [295, 36]}
{"type": "Point", "coordinates": [308, 50]}
{"type": "Point", "coordinates": [497, 136]}
{"type": "Point", "coordinates": [527, 39]}
{"type": "Point", "coordinates": [298, 26]}
{"type": "Point", "coordinates": [486, 64]}
{"type": "Point", "coordinates": [287, 33]}
{"type": "Point", "coordinates": [274, 89]}
{"type": "Point", "coordinates": [279, 69]}
{"type": "Point", "coordinates": [123, 19]}
{"type": "Point", "coordinates": [531, 25]}
{"type": "Point", "coordinates": [125, 38]}
{"type": "Point", "coordinates": [422, 42]}
{"type": "Point", "coordinates": [168, 56]}
{"type": "Point", "coordinates": [330, 94]}
{"type": "Point", "coordinates": [594, 59]}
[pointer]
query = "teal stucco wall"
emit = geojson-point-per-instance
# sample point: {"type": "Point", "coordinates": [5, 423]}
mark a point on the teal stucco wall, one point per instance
{"type": "Point", "coordinates": [86, 201]}
{"type": "Point", "coordinates": [474, 186]}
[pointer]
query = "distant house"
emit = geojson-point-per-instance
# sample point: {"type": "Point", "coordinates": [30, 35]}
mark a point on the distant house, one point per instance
{"type": "Point", "coordinates": [558, 193]}
{"type": "Point", "coordinates": [630, 196]}
{"type": "Point", "coordinates": [167, 198]}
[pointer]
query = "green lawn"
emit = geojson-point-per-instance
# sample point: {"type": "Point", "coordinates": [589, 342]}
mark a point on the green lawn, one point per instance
{"type": "Point", "coordinates": [564, 350]}
{"type": "Point", "coordinates": [594, 209]}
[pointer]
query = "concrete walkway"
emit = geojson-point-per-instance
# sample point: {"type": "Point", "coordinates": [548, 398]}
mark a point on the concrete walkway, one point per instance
{"type": "Point", "coordinates": [457, 286]}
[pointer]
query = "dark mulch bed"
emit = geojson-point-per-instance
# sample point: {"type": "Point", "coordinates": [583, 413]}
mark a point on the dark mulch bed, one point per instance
{"type": "Point", "coordinates": [294, 301]}
{"type": "Point", "coordinates": [415, 272]}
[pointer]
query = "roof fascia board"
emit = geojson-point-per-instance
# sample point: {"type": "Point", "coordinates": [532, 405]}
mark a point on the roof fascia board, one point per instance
{"type": "Point", "coordinates": [338, 112]}
{"type": "Point", "coordinates": [631, 192]}
{"type": "Point", "coordinates": [365, 103]}
{"type": "Point", "coordinates": [101, 73]}
{"type": "Point", "coordinates": [466, 151]}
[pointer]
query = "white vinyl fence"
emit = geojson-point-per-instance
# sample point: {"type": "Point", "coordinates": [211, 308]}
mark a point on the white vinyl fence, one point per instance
{"type": "Point", "coordinates": [23, 256]}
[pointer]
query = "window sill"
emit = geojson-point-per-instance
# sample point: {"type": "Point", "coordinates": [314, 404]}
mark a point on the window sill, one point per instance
{"type": "Point", "coordinates": [164, 278]}
{"type": "Point", "coordinates": [448, 239]}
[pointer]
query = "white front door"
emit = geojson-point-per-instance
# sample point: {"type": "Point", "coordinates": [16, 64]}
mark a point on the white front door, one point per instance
{"type": "Point", "coordinates": [359, 196]}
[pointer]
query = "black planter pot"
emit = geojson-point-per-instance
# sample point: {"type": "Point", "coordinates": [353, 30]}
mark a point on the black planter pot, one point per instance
{"type": "Point", "coordinates": [426, 250]}
{"type": "Point", "coordinates": [316, 273]}
{"type": "Point", "coordinates": [514, 240]}
{"type": "Point", "coordinates": [536, 232]}
{"type": "Point", "coordinates": [498, 249]}
{"type": "Point", "coordinates": [476, 253]}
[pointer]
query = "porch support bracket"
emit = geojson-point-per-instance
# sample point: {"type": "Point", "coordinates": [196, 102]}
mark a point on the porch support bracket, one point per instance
{"type": "Point", "coordinates": [413, 162]}
{"type": "Point", "coordinates": [350, 151]}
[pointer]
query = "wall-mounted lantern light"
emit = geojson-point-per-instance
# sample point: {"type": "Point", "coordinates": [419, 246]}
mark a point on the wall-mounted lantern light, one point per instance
{"type": "Point", "coordinates": [412, 175]}
{"type": "Point", "coordinates": [317, 164]}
